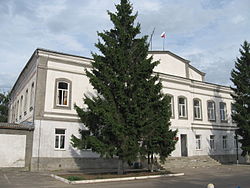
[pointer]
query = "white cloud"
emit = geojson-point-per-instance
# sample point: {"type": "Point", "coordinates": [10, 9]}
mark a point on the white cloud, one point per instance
{"type": "Point", "coordinates": [147, 5]}
{"type": "Point", "coordinates": [69, 42]}
{"type": "Point", "coordinates": [207, 32]}
{"type": "Point", "coordinates": [238, 19]}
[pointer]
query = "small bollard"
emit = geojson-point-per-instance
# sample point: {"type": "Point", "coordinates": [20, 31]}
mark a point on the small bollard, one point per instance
{"type": "Point", "coordinates": [210, 185]}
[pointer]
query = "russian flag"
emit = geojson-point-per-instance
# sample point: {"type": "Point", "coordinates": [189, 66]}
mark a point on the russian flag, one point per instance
{"type": "Point", "coordinates": [163, 35]}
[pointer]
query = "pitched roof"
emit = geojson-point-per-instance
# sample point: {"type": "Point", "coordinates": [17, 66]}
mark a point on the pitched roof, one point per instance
{"type": "Point", "coordinates": [179, 58]}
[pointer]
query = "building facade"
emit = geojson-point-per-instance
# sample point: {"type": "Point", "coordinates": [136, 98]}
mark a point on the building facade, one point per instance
{"type": "Point", "coordinates": [52, 82]}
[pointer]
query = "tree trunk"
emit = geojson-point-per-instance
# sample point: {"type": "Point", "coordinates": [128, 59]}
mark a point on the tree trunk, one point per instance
{"type": "Point", "coordinates": [120, 167]}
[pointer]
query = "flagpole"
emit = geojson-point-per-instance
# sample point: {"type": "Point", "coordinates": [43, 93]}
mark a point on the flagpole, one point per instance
{"type": "Point", "coordinates": [163, 39]}
{"type": "Point", "coordinates": [163, 36]}
{"type": "Point", "coordinates": [151, 39]}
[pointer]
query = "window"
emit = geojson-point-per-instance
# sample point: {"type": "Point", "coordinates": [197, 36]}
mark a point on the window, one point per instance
{"type": "Point", "coordinates": [182, 102]}
{"type": "Point", "coordinates": [17, 107]}
{"type": "Point", "coordinates": [32, 96]}
{"type": "Point", "coordinates": [59, 138]}
{"type": "Point", "coordinates": [211, 110]}
{"type": "Point", "coordinates": [233, 111]}
{"type": "Point", "coordinates": [21, 107]}
{"type": "Point", "coordinates": [25, 102]}
{"type": "Point", "coordinates": [197, 109]}
{"type": "Point", "coordinates": [224, 142]}
{"type": "Point", "coordinates": [13, 113]}
{"type": "Point", "coordinates": [198, 141]}
{"type": "Point", "coordinates": [62, 93]}
{"type": "Point", "coordinates": [171, 105]}
{"type": "Point", "coordinates": [235, 141]}
{"type": "Point", "coordinates": [211, 142]}
{"type": "Point", "coordinates": [223, 111]}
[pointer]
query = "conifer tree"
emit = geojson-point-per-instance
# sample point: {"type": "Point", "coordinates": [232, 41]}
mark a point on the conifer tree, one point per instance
{"type": "Point", "coordinates": [240, 76]}
{"type": "Point", "coordinates": [129, 101]}
{"type": "Point", "coordinates": [4, 102]}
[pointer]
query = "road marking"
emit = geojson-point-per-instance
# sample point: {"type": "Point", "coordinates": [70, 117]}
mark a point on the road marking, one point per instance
{"type": "Point", "coordinates": [7, 179]}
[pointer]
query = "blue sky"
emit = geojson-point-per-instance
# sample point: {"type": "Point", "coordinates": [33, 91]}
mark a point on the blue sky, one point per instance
{"type": "Point", "coordinates": [206, 32]}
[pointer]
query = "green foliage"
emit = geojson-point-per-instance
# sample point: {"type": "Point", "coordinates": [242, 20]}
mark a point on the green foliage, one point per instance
{"type": "Point", "coordinates": [129, 114]}
{"type": "Point", "coordinates": [75, 178]}
{"type": "Point", "coordinates": [240, 76]}
{"type": "Point", "coordinates": [4, 101]}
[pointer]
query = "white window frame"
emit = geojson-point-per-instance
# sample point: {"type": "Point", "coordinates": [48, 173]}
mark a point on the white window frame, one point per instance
{"type": "Point", "coordinates": [171, 105]}
{"type": "Point", "coordinates": [63, 94]}
{"type": "Point", "coordinates": [212, 142]}
{"type": "Point", "coordinates": [224, 142]}
{"type": "Point", "coordinates": [182, 107]}
{"type": "Point", "coordinates": [211, 115]}
{"type": "Point", "coordinates": [197, 110]}
{"type": "Point", "coordinates": [59, 136]}
{"type": "Point", "coordinates": [223, 111]}
{"type": "Point", "coordinates": [198, 142]}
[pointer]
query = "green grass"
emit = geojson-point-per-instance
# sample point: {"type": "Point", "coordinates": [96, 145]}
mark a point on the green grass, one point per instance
{"type": "Point", "coordinates": [74, 178]}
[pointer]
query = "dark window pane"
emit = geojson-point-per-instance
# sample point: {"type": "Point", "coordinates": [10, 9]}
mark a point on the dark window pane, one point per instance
{"type": "Point", "coordinates": [196, 103]}
{"type": "Point", "coordinates": [57, 142]}
{"type": "Point", "coordinates": [60, 97]}
{"type": "Point", "coordinates": [181, 100]}
{"type": "Point", "coordinates": [60, 131]}
{"type": "Point", "coordinates": [63, 85]}
{"type": "Point", "coordinates": [62, 142]}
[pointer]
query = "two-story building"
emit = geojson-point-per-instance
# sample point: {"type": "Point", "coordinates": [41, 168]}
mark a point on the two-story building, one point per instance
{"type": "Point", "coordinates": [52, 82]}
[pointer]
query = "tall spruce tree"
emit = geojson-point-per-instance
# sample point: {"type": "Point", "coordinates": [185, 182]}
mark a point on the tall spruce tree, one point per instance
{"type": "Point", "coordinates": [4, 102]}
{"type": "Point", "coordinates": [129, 114]}
{"type": "Point", "coordinates": [240, 76]}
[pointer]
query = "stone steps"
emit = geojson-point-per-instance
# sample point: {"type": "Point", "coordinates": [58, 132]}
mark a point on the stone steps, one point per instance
{"type": "Point", "coordinates": [189, 162]}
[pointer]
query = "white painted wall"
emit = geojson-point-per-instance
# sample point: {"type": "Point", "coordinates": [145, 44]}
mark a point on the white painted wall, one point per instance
{"type": "Point", "coordinates": [169, 65]}
{"type": "Point", "coordinates": [194, 75]}
{"type": "Point", "coordinates": [44, 134]}
{"type": "Point", "coordinates": [80, 85]}
{"type": "Point", "coordinates": [12, 150]}
{"type": "Point", "coordinates": [44, 140]}
{"type": "Point", "coordinates": [20, 116]}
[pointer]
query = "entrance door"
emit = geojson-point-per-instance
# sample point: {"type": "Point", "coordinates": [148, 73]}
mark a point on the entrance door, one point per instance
{"type": "Point", "coordinates": [184, 151]}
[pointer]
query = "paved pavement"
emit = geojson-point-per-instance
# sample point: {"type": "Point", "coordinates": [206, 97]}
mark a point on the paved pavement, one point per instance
{"type": "Point", "coordinates": [226, 176]}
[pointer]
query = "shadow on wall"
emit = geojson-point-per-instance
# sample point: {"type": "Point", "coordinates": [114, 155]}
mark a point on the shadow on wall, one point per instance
{"type": "Point", "coordinates": [86, 159]}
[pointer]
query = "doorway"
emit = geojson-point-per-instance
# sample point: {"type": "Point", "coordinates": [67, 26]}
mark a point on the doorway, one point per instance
{"type": "Point", "coordinates": [184, 151]}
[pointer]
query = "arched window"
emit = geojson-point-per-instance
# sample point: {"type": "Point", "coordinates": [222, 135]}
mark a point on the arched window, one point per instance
{"type": "Point", "coordinates": [63, 93]}
{"type": "Point", "coordinates": [171, 105]}
{"type": "Point", "coordinates": [211, 110]}
{"type": "Point", "coordinates": [182, 104]}
{"type": "Point", "coordinates": [197, 109]}
{"type": "Point", "coordinates": [223, 111]}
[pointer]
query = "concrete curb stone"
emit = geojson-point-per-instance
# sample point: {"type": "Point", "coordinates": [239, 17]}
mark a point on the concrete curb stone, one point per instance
{"type": "Point", "coordinates": [113, 179]}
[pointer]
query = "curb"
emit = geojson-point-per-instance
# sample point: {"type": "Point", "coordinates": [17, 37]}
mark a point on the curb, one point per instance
{"type": "Point", "coordinates": [113, 179]}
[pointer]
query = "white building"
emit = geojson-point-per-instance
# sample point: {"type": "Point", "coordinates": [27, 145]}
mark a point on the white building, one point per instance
{"type": "Point", "coordinates": [52, 82]}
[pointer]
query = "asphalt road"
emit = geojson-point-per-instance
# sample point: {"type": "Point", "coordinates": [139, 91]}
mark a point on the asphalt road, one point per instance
{"type": "Point", "coordinates": [226, 176]}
